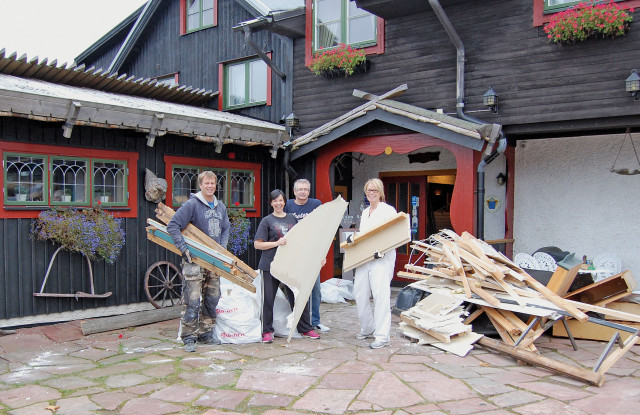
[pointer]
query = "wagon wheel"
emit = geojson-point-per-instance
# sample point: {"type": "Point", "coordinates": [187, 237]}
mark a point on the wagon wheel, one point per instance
{"type": "Point", "coordinates": [163, 284]}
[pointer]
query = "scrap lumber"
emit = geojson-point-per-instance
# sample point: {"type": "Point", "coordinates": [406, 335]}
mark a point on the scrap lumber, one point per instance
{"type": "Point", "coordinates": [139, 318]}
{"type": "Point", "coordinates": [593, 331]}
{"type": "Point", "coordinates": [165, 213]}
{"type": "Point", "coordinates": [397, 232]}
{"type": "Point", "coordinates": [564, 275]}
{"type": "Point", "coordinates": [594, 378]}
{"type": "Point", "coordinates": [605, 291]}
{"type": "Point", "coordinates": [227, 271]}
{"type": "Point", "coordinates": [459, 345]}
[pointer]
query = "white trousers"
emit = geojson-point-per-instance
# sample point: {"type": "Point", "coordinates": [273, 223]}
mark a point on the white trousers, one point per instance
{"type": "Point", "coordinates": [374, 279]}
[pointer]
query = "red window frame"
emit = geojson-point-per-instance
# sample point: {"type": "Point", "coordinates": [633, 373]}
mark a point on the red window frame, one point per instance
{"type": "Point", "coordinates": [170, 161]}
{"type": "Point", "coordinates": [221, 91]}
{"type": "Point", "coordinates": [540, 18]}
{"type": "Point", "coordinates": [377, 49]}
{"type": "Point", "coordinates": [183, 16]}
{"type": "Point", "coordinates": [131, 211]}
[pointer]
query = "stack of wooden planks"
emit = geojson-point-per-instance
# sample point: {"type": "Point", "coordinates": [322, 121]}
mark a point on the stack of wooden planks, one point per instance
{"type": "Point", "coordinates": [467, 269]}
{"type": "Point", "coordinates": [205, 251]}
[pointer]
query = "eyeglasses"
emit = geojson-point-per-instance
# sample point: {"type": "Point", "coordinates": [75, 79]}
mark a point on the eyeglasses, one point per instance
{"type": "Point", "coordinates": [373, 191]}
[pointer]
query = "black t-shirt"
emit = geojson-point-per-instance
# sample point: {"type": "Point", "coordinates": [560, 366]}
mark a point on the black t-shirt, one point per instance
{"type": "Point", "coordinates": [270, 229]}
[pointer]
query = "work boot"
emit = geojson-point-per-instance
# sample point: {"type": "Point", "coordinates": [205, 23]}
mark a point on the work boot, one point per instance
{"type": "Point", "coordinates": [190, 345]}
{"type": "Point", "coordinates": [208, 339]}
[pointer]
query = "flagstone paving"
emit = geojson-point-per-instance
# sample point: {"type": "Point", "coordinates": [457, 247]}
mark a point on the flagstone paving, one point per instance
{"type": "Point", "coordinates": [143, 370]}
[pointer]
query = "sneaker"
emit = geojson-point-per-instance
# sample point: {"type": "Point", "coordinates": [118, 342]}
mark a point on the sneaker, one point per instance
{"type": "Point", "coordinates": [379, 344]}
{"type": "Point", "coordinates": [322, 328]}
{"type": "Point", "coordinates": [267, 337]}
{"type": "Point", "coordinates": [208, 339]}
{"type": "Point", "coordinates": [311, 334]}
{"type": "Point", "coordinates": [190, 345]}
{"type": "Point", "coordinates": [362, 336]}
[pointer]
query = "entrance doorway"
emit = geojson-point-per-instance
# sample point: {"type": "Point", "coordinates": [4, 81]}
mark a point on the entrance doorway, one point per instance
{"type": "Point", "coordinates": [426, 197]}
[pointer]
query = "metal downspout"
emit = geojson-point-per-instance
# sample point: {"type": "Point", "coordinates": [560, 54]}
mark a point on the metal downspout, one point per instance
{"type": "Point", "coordinates": [263, 56]}
{"type": "Point", "coordinates": [502, 140]}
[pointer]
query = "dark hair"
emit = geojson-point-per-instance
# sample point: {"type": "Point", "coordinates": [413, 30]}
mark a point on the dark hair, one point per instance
{"type": "Point", "coordinates": [274, 195]}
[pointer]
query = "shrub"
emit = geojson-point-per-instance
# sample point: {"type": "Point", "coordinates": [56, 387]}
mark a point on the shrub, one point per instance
{"type": "Point", "coordinates": [239, 232]}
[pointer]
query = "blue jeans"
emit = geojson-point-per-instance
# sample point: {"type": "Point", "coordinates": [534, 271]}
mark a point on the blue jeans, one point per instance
{"type": "Point", "coordinates": [316, 298]}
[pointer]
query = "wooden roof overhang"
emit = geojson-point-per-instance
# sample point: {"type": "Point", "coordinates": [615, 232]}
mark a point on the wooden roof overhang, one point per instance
{"type": "Point", "coordinates": [44, 101]}
{"type": "Point", "coordinates": [442, 126]}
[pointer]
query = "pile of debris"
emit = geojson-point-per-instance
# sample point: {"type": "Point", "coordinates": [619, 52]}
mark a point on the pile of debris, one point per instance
{"type": "Point", "coordinates": [460, 273]}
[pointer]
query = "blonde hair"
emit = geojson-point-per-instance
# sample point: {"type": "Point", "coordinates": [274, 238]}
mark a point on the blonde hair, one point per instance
{"type": "Point", "coordinates": [378, 185]}
{"type": "Point", "coordinates": [207, 174]}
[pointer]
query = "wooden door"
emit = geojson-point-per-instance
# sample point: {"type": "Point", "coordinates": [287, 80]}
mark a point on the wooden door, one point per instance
{"type": "Point", "coordinates": [426, 198]}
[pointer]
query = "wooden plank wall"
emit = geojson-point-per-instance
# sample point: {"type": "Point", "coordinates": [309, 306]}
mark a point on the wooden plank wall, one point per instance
{"type": "Point", "coordinates": [161, 50]}
{"type": "Point", "coordinates": [24, 261]}
{"type": "Point", "coordinates": [543, 87]}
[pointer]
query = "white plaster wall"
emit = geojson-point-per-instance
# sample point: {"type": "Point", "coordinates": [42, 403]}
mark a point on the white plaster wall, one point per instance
{"type": "Point", "coordinates": [494, 219]}
{"type": "Point", "coordinates": [565, 196]}
{"type": "Point", "coordinates": [373, 165]}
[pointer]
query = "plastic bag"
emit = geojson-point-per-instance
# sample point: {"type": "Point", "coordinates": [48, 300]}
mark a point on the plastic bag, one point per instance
{"type": "Point", "coordinates": [282, 316]}
{"type": "Point", "coordinates": [336, 290]}
{"type": "Point", "coordinates": [238, 315]}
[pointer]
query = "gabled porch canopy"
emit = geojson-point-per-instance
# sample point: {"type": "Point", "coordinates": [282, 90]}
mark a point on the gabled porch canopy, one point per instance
{"type": "Point", "coordinates": [410, 117]}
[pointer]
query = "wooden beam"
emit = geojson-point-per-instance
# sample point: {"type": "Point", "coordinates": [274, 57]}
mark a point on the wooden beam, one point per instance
{"type": "Point", "coordinates": [139, 318]}
{"type": "Point", "coordinates": [545, 362]}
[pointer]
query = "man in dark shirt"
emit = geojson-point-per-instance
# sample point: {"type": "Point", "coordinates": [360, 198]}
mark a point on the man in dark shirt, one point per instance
{"type": "Point", "coordinates": [209, 215]}
{"type": "Point", "coordinates": [300, 207]}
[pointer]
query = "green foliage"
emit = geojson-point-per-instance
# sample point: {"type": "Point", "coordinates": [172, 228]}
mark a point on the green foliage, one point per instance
{"type": "Point", "coordinates": [586, 20]}
{"type": "Point", "coordinates": [92, 232]}
{"type": "Point", "coordinates": [342, 57]}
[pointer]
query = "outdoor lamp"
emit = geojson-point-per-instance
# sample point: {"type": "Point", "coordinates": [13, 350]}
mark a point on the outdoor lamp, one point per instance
{"type": "Point", "coordinates": [633, 84]}
{"type": "Point", "coordinates": [490, 99]}
{"type": "Point", "coordinates": [292, 123]}
{"type": "Point", "coordinates": [501, 179]}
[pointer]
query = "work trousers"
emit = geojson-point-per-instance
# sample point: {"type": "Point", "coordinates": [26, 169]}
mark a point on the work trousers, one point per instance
{"type": "Point", "coordinates": [269, 290]}
{"type": "Point", "coordinates": [200, 296]}
{"type": "Point", "coordinates": [374, 279]}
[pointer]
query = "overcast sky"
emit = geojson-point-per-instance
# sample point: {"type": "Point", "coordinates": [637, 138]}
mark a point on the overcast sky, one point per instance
{"type": "Point", "coordinates": [58, 29]}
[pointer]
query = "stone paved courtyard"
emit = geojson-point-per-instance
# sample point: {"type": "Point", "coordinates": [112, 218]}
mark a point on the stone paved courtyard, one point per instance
{"type": "Point", "coordinates": [143, 370]}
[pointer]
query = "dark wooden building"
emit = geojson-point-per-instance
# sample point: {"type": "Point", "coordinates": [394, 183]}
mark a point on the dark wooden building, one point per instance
{"type": "Point", "coordinates": [66, 129]}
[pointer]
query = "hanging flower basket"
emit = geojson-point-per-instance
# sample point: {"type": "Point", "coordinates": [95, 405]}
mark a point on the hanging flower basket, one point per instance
{"type": "Point", "coordinates": [340, 61]}
{"type": "Point", "coordinates": [588, 20]}
{"type": "Point", "coordinates": [239, 232]}
{"type": "Point", "coordinates": [92, 232]}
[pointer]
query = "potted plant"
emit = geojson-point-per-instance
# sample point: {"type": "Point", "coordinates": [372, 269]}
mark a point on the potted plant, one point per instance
{"type": "Point", "coordinates": [22, 191]}
{"type": "Point", "coordinates": [588, 20]}
{"type": "Point", "coordinates": [239, 232]}
{"type": "Point", "coordinates": [103, 194]}
{"type": "Point", "coordinates": [92, 232]}
{"type": "Point", "coordinates": [67, 195]}
{"type": "Point", "coordinates": [340, 61]}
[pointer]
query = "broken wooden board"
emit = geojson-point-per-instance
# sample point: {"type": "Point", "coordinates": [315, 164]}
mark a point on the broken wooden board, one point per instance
{"type": "Point", "coordinates": [383, 238]}
{"type": "Point", "coordinates": [542, 361]}
{"type": "Point", "coordinates": [459, 345]}
{"type": "Point", "coordinates": [298, 262]}
{"type": "Point", "coordinates": [605, 291]}
{"type": "Point", "coordinates": [165, 213]}
{"type": "Point", "coordinates": [592, 331]}
{"type": "Point", "coordinates": [200, 258]}
{"type": "Point", "coordinates": [139, 318]}
{"type": "Point", "coordinates": [631, 308]}
{"type": "Point", "coordinates": [564, 275]}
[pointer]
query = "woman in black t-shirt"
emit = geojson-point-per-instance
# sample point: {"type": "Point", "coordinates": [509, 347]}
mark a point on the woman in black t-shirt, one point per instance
{"type": "Point", "coordinates": [271, 233]}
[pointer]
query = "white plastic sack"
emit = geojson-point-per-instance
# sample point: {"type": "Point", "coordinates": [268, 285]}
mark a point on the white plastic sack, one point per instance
{"type": "Point", "coordinates": [282, 316]}
{"type": "Point", "coordinates": [336, 290]}
{"type": "Point", "coordinates": [238, 314]}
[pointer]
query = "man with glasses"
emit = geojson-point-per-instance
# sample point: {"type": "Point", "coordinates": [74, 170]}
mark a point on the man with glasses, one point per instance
{"type": "Point", "coordinates": [300, 207]}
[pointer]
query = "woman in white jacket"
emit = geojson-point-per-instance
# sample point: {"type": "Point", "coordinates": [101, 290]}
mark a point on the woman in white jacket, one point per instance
{"type": "Point", "coordinates": [374, 277]}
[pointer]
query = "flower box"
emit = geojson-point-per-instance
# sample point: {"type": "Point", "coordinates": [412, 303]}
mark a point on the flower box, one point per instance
{"type": "Point", "coordinates": [362, 67]}
{"type": "Point", "coordinates": [588, 20]}
{"type": "Point", "coordinates": [342, 60]}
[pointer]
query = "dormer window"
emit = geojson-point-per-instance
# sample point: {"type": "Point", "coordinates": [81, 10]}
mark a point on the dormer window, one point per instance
{"type": "Point", "coordinates": [197, 15]}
